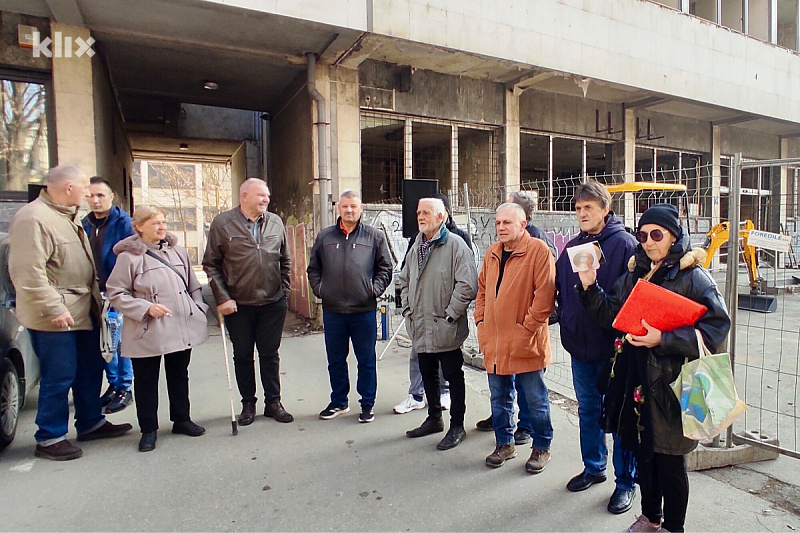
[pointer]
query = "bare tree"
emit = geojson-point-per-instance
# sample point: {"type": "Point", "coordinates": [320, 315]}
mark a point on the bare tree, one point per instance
{"type": "Point", "coordinates": [177, 187]}
{"type": "Point", "coordinates": [216, 189]}
{"type": "Point", "coordinates": [23, 135]}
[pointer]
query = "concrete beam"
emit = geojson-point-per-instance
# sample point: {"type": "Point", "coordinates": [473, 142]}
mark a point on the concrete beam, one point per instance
{"type": "Point", "coordinates": [66, 12]}
{"type": "Point", "coordinates": [644, 102]}
{"type": "Point", "coordinates": [528, 80]}
{"type": "Point", "coordinates": [736, 119]}
{"type": "Point", "coordinates": [279, 59]}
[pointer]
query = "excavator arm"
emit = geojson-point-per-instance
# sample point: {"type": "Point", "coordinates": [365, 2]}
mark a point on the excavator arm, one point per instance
{"type": "Point", "coordinates": [719, 234]}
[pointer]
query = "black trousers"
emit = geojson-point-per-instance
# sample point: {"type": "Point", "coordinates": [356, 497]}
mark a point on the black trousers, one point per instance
{"type": "Point", "coordinates": [257, 326]}
{"type": "Point", "coordinates": [663, 477]}
{"type": "Point", "coordinates": [451, 370]}
{"type": "Point", "coordinates": [145, 383]}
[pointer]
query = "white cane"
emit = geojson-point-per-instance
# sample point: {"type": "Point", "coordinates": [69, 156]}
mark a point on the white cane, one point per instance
{"type": "Point", "coordinates": [392, 339]}
{"type": "Point", "coordinates": [234, 428]}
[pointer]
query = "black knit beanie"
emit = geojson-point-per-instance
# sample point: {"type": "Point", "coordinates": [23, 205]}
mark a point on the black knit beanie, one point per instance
{"type": "Point", "coordinates": [665, 215]}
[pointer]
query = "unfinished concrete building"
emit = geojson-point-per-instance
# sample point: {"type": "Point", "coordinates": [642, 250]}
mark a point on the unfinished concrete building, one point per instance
{"type": "Point", "coordinates": [318, 97]}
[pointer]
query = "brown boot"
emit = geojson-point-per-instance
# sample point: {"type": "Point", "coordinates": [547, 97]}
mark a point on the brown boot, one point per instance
{"type": "Point", "coordinates": [537, 462]}
{"type": "Point", "coordinates": [500, 455]}
{"type": "Point", "coordinates": [248, 414]}
{"type": "Point", "coordinates": [60, 451]}
{"type": "Point", "coordinates": [275, 410]}
{"type": "Point", "coordinates": [106, 431]}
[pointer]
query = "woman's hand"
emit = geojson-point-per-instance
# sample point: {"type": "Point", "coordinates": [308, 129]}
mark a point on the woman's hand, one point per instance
{"type": "Point", "coordinates": [588, 277]}
{"type": "Point", "coordinates": [649, 340]}
{"type": "Point", "coordinates": [158, 311]}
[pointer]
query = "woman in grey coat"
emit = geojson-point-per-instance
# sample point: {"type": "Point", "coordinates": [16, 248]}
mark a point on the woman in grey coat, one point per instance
{"type": "Point", "coordinates": [154, 287]}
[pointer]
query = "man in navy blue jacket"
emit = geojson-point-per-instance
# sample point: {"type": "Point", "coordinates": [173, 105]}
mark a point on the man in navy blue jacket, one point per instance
{"type": "Point", "coordinates": [590, 345]}
{"type": "Point", "coordinates": [106, 225]}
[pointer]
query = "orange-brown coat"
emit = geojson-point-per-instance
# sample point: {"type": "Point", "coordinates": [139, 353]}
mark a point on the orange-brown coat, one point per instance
{"type": "Point", "coordinates": [512, 324]}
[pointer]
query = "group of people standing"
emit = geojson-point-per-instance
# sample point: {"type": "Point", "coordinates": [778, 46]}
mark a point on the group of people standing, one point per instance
{"type": "Point", "coordinates": [63, 270]}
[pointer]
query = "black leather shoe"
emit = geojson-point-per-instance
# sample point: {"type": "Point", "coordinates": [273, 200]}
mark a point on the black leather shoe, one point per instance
{"type": "Point", "coordinates": [107, 396]}
{"type": "Point", "coordinates": [148, 441]}
{"type": "Point", "coordinates": [275, 410]}
{"type": "Point", "coordinates": [119, 401]}
{"type": "Point", "coordinates": [248, 415]}
{"type": "Point", "coordinates": [621, 501]}
{"type": "Point", "coordinates": [485, 424]}
{"type": "Point", "coordinates": [453, 438]}
{"type": "Point", "coordinates": [583, 481]}
{"type": "Point", "coordinates": [522, 437]}
{"type": "Point", "coordinates": [188, 428]}
{"type": "Point", "coordinates": [429, 427]}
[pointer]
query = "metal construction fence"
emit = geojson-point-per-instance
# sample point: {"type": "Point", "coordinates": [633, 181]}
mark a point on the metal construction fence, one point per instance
{"type": "Point", "coordinates": [765, 346]}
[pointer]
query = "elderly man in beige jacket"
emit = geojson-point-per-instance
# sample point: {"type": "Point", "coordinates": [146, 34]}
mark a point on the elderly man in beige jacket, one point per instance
{"type": "Point", "coordinates": [58, 300]}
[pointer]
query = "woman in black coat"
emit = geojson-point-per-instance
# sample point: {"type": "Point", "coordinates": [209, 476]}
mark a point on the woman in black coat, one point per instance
{"type": "Point", "coordinates": [639, 404]}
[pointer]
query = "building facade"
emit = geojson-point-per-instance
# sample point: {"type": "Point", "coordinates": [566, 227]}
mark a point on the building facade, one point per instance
{"type": "Point", "coordinates": [318, 97]}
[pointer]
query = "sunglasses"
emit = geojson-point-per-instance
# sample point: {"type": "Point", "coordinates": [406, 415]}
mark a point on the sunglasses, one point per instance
{"type": "Point", "coordinates": [655, 234]}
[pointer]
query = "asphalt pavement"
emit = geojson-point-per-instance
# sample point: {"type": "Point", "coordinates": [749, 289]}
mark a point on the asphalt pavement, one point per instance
{"type": "Point", "coordinates": [340, 475]}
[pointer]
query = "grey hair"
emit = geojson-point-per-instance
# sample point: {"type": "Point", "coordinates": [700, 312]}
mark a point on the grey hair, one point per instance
{"type": "Point", "coordinates": [248, 183]}
{"type": "Point", "coordinates": [518, 210]}
{"type": "Point", "coordinates": [438, 206]}
{"type": "Point", "coordinates": [349, 193]}
{"type": "Point", "coordinates": [64, 173]}
{"type": "Point", "coordinates": [524, 201]}
{"type": "Point", "coordinates": [593, 191]}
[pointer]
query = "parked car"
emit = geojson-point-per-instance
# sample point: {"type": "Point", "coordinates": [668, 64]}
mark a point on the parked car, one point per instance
{"type": "Point", "coordinates": [19, 368]}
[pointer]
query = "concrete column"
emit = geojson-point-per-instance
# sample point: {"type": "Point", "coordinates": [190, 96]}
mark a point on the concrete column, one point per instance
{"type": "Point", "coordinates": [782, 191]}
{"type": "Point", "coordinates": [73, 94]}
{"type": "Point", "coordinates": [510, 151]}
{"type": "Point", "coordinates": [408, 151]}
{"type": "Point", "coordinates": [454, 165]}
{"type": "Point", "coordinates": [629, 166]}
{"type": "Point", "coordinates": [345, 131]}
{"type": "Point", "coordinates": [716, 181]}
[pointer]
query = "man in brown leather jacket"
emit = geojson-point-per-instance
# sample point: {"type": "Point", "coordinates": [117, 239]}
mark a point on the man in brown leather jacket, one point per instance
{"type": "Point", "coordinates": [248, 264]}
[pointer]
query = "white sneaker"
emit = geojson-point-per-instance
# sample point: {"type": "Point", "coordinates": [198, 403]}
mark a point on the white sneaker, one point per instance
{"type": "Point", "coordinates": [445, 399]}
{"type": "Point", "coordinates": [408, 405]}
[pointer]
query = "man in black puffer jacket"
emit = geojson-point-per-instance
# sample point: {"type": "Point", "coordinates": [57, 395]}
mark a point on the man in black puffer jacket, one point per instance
{"type": "Point", "coordinates": [349, 268]}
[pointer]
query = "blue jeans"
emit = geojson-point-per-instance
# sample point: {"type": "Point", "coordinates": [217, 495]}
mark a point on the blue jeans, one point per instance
{"type": "Point", "coordinates": [362, 330]}
{"type": "Point", "coordinates": [68, 360]}
{"type": "Point", "coordinates": [525, 416]}
{"type": "Point", "coordinates": [593, 438]}
{"type": "Point", "coordinates": [119, 371]}
{"type": "Point", "coordinates": [416, 388]}
{"type": "Point", "coordinates": [535, 393]}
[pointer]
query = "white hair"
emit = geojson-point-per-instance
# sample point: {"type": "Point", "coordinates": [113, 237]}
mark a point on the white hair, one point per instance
{"type": "Point", "coordinates": [438, 205]}
{"type": "Point", "coordinates": [245, 186]}
{"type": "Point", "coordinates": [518, 210]}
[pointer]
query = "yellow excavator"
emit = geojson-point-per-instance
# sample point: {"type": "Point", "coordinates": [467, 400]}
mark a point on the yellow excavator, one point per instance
{"type": "Point", "coordinates": [719, 234]}
{"type": "Point", "coordinates": [757, 300]}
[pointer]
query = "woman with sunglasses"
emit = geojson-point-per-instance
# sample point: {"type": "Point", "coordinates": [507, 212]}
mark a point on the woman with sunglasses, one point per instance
{"type": "Point", "coordinates": [639, 405]}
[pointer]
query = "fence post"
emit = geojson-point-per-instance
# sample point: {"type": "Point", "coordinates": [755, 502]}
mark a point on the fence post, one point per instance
{"type": "Point", "coordinates": [732, 272]}
{"type": "Point", "coordinates": [466, 206]}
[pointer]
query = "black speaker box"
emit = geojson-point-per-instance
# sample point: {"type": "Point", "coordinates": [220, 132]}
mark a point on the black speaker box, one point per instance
{"type": "Point", "coordinates": [413, 190]}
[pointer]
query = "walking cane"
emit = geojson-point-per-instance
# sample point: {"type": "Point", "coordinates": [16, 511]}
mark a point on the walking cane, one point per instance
{"type": "Point", "coordinates": [234, 428]}
{"type": "Point", "coordinates": [392, 339]}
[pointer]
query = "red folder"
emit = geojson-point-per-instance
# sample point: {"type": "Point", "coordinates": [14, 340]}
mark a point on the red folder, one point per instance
{"type": "Point", "coordinates": [661, 308]}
